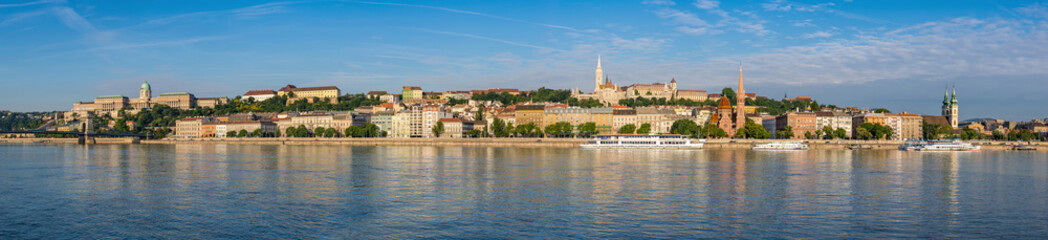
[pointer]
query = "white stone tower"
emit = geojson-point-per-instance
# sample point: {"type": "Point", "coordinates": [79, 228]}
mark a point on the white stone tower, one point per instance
{"type": "Point", "coordinates": [600, 74]}
{"type": "Point", "coordinates": [954, 116]}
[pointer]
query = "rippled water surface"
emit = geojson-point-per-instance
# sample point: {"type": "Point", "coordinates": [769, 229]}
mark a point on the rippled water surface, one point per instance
{"type": "Point", "coordinates": [247, 191]}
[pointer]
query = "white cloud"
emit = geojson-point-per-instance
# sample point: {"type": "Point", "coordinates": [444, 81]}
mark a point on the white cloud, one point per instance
{"type": "Point", "coordinates": [681, 17]}
{"type": "Point", "coordinates": [659, 2]}
{"type": "Point", "coordinates": [644, 44]}
{"type": "Point", "coordinates": [1037, 10]}
{"type": "Point", "coordinates": [30, 3]}
{"type": "Point", "coordinates": [261, 9]}
{"type": "Point", "coordinates": [784, 6]}
{"type": "Point", "coordinates": [707, 4]}
{"type": "Point", "coordinates": [178, 42]}
{"type": "Point", "coordinates": [694, 25]}
{"type": "Point", "coordinates": [819, 34]}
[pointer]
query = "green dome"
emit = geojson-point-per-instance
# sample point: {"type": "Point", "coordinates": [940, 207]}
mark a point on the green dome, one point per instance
{"type": "Point", "coordinates": [145, 86]}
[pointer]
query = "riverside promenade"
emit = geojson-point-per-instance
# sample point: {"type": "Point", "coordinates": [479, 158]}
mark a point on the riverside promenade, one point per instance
{"type": "Point", "coordinates": [506, 142]}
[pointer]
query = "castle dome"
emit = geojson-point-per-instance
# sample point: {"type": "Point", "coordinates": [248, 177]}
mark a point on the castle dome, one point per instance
{"type": "Point", "coordinates": [145, 86]}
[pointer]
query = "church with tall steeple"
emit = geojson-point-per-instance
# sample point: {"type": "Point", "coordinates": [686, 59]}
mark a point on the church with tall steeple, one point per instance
{"type": "Point", "coordinates": [605, 91]}
{"type": "Point", "coordinates": [949, 107]}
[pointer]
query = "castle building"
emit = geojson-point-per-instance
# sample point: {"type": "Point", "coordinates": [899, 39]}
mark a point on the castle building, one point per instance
{"type": "Point", "coordinates": [605, 91]}
{"type": "Point", "coordinates": [949, 107]}
{"type": "Point", "coordinates": [112, 104]}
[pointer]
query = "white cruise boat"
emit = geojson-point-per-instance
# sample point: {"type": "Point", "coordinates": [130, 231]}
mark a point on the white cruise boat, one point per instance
{"type": "Point", "coordinates": [795, 145]}
{"type": "Point", "coordinates": [912, 145]}
{"type": "Point", "coordinates": [642, 141]}
{"type": "Point", "coordinates": [948, 145]}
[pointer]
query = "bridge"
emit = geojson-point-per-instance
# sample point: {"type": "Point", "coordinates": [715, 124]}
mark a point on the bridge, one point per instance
{"type": "Point", "coordinates": [87, 134]}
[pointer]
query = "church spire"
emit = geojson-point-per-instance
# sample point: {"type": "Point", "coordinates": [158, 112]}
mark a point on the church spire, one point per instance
{"type": "Point", "coordinates": [953, 99]}
{"type": "Point", "coordinates": [946, 96]}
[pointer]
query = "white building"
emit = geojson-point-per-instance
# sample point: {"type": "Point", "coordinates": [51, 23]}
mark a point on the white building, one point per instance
{"type": "Point", "coordinates": [259, 95]}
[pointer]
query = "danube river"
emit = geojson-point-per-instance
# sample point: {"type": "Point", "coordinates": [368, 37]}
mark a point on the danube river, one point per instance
{"type": "Point", "coordinates": [194, 191]}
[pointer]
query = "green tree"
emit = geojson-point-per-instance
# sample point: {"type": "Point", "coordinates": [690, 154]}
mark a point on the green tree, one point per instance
{"type": "Point", "coordinates": [628, 129]}
{"type": "Point", "coordinates": [276, 134]}
{"type": "Point", "coordinates": [840, 133]}
{"type": "Point", "coordinates": [242, 133]}
{"type": "Point", "coordinates": [863, 133]}
{"type": "Point", "coordinates": [257, 133]}
{"type": "Point", "coordinates": [753, 130]}
{"type": "Point", "coordinates": [528, 130]}
{"type": "Point", "coordinates": [352, 131]}
{"type": "Point", "coordinates": [881, 110]}
{"type": "Point", "coordinates": [827, 132]}
{"type": "Point", "coordinates": [814, 106]}
{"type": "Point", "coordinates": [438, 129]}
{"type": "Point", "coordinates": [318, 132]}
{"type": "Point", "coordinates": [301, 131]}
{"type": "Point", "coordinates": [231, 134]}
{"type": "Point", "coordinates": [498, 128]}
{"type": "Point", "coordinates": [291, 132]}
{"type": "Point", "coordinates": [807, 135]}
{"type": "Point", "coordinates": [559, 129]}
{"type": "Point", "coordinates": [645, 128]}
{"type": "Point", "coordinates": [786, 133]}
{"type": "Point", "coordinates": [728, 93]}
{"type": "Point", "coordinates": [712, 131]}
{"type": "Point", "coordinates": [587, 129]}
{"type": "Point", "coordinates": [685, 127]}
{"type": "Point", "coordinates": [480, 113]}
{"type": "Point", "coordinates": [330, 132]}
{"type": "Point", "coordinates": [371, 130]}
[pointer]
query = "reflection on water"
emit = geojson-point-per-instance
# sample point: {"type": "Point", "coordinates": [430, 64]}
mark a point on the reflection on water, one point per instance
{"type": "Point", "coordinates": [223, 191]}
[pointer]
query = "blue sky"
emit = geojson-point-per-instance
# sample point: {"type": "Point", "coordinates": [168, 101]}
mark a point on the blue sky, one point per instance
{"type": "Point", "coordinates": [884, 53]}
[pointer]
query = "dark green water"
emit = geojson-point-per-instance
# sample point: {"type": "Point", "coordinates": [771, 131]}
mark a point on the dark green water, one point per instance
{"type": "Point", "coordinates": [233, 191]}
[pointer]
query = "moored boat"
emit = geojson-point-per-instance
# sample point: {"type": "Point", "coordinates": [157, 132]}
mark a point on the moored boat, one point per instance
{"type": "Point", "coordinates": [948, 145]}
{"type": "Point", "coordinates": [912, 145]}
{"type": "Point", "coordinates": [642, 141]}
{"type": "Point", "coordinates": [795, 145]}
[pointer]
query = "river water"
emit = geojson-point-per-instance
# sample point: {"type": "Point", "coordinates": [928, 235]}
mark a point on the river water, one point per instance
{"type": "Point", "coordinates": [333, 192]}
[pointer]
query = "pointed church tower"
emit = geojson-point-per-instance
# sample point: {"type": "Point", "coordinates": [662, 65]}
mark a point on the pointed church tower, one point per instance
{"type": "Point", "coordinates": [740, 103]}
{"type": "Point", "coordinates": [954, 116]}
{"type": "Point", "coordinates": [599, 73]}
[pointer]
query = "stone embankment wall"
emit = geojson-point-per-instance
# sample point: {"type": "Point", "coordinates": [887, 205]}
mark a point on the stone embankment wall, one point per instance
{"type": "Point", "coordinates": [125, 140]}
{"type": "Point", "coordinates": [499, 142]}
{"type": "Point", "coordinates": [478, 142]}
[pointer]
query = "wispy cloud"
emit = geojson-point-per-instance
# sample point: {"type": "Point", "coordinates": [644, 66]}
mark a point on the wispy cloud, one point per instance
{"type": "Point", "coordinates": [486, 38]}
{"type": "Point", "coordinates": [784, 6]}
{"type": "Point", "coordinates": [261, 9]}
{"type": "Point", "coordinates": [30, 3]}
{"type": "Point", "coordinates": [18, 17]}
{"type": "Point", "coordinates": [73, 20]}
{"type": "Point", "coordinates": [178, 42]}
{"type": "Point", "coordinates": [452, 10]}
{"type": "Point", "coordinates": [787, 6]}
{"type": "Point", "coordinates": [819, 34]}
{"type": "Point", "coordinates": [659, 2]}
{"type": "Point", "coordinates": [1036, 10]}
{"type": "Point", "coordinates": [695, 25]}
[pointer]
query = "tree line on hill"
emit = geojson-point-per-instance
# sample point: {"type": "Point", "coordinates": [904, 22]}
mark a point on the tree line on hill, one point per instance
{"type": "Point", "coordinates": [20, 121]}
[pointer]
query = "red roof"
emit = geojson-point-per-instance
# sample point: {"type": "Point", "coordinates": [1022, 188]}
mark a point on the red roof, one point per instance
{"type": "Point", "coordinates": [412, 88]}
{"type": "Point", "coordinates": [260, 92]}
{"type": "Point", "coordinates": [450, 120]}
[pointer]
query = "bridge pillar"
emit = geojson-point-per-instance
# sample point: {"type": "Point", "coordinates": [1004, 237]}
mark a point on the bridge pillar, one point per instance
{"type": "Point", "coordinates": [87, 126]}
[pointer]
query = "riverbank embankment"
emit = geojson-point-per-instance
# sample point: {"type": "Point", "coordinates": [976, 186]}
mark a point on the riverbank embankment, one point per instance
{"type": "Point", "coordinates": [505, 142]}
